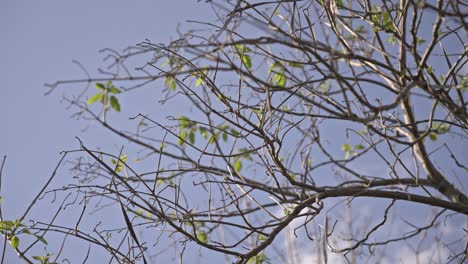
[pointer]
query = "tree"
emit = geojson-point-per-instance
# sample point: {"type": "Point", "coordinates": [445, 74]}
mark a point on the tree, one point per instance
{"type": "Point", "coordinates": [284, 117]}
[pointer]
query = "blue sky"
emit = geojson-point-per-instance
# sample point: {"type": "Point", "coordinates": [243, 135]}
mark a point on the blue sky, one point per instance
{"type": "Point", "coordinates": [39, 40]}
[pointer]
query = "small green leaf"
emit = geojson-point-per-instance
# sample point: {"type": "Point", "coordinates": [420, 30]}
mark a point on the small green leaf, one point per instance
{"type": "Point", "coordinates": [114, 90]}
{"type": "Point", "coordinates": [182, 137]}
{"type": "Point", "coordinates": [247, 62]}
{"type": "Point", "coordinates": [41, 238]}
{"type": "Point", "coordinates": [198, 82]}
{"type": "Point", "coordinates": [293, 176]}
{"type": "Point", "coordinates": [202, 236]}
{"type": "Point", "coordinates": [225, 137]}
{"type": "Point", "coordinates": [100, 86]}
{"type": "Point", "coordinates": [113, 161]}
{"type": "Point", "coordinates": [358, 147]}
{"type": "Point", "coordinates": [115, 103]}
{"type": "Point", "coordinates": [238, 165]}
{"type": "Point", "coordinates": [6, 225]}
{"type": "Point", "coordinates": [324, 86]}
{"type": "Point", "coordinates": [192, 137]}
{"type": "Point", "coordinates": [14, 241]}
{"type": "Point", "coordinates": [430, 69]}
{"type": "Point", "coordinates": [170, 82]}
{"type": "Point", "coordinates": [392, 40]}
{"type": "Point", "coordinates": [279, 79]}
{"type": "Point", "coordinates": [420, 41]}
{"type": "Point", "coordinates": [184, 122]}
{"type": "Point", "coordinates": [295, 64]}
{"type": "Point", "coordinates": [94, 98]}
{"type": "Point", "coordinates": [433, 136]}
{"type": "Point", "coordinates": [346, 147]}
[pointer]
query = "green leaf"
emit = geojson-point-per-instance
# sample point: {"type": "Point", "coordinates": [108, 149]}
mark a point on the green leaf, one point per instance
{"type": "Point", "coordinates": [441, 129]}
{"type": "Point", "coordinates": [114, 103]}
{"type": "Point", "coordinates": [420, 41]}
{"type": "Point", "coordinates": [346, 147]}
{"type": "Point", "coordinates": [114, 90]}
{"type": "Point", "coordinates": [41, 238]}
{"type": "Point", "coordinates": [235, 133]}
{"type": "Point", "coordinates": [198, 82]}
{"type": "Point", "coordinates": [113, 161]}
{"type": "Point", "coordinates": [430, 69]}
{"type": "Point", "coordinates": [293, 176]}
{"type": "Point", "coordinates": [261, 238]}
{"type": "Point", "coordinates": [358, 147]}
{"type": "Point", "coordinates": [6, 225]}
{"type": "Point", "coordinates": [170, 82]}
{"type": "Point", "coordinates": [433, 136]}
{"type": "Point", "coordinates": [202, 236]}
{"type": "Point", "coordinates": [182, 137]}
{"type": "Point", "coordinates": [100, 86]}
{"type": "Point", "coordinates": [238, 165]}
{"type": "Point", "coordinates": [295, 64]}
{"type": "Point", "coordinates": [247, 62]}
{"type": "Point", "coordinates": [279, 79]}
{"type": "Point", "coordinates": [14, 241]}
{"type": "Point", "coordinates": [192, 137]}
{"type": "Point", "coordinates": [324, 86]}
{"type": "Point", "coordinates": [94, 98]}
{"type": "Point", "coordinates": [184, 122]}
{"type": "Point", "coordinates": [225, 137]}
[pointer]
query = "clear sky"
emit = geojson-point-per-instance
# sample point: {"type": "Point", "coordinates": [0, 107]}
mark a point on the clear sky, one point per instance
{"type": "Point", "coordinates": [39, 40]}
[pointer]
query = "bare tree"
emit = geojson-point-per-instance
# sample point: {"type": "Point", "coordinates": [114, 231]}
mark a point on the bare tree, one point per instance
{"type": "Point", "coordinates": [284, 132]}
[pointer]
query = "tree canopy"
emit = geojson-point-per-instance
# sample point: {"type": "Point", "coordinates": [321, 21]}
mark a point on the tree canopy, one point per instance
{"type": "Point", "coordinates": [331, 129]}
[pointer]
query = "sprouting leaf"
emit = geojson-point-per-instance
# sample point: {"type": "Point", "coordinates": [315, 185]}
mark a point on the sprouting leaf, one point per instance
{"type": "Point", "coordinates": [293, 176]}
{"type": "Point", "coordinates": [225, 137]}
{"type": "Point", "coordinates": [170, 82]}
{"type": "Point", "coordinates": [114, 103]}
{"type": "Point", "coordinates": [346, 147]}
{"type": "Point", "coordinates": [262, 238]}
{"type": "Point", "coordinates": [202, 236]}
{"type": "Point", "coordinates": [247, 62]}
{"type": "Point", "coordinates": [198, 82]}
{"type": "Point", "coordinates": [441, 128]}
{"type": "Point", "coordinates": [430, 69]}
{"type": "Point", "coordinates": [182, 137]}
{"type": "Point", "coordinates": [241, 51]}
{"type": "Point", "coordinates": [44, 259]}
{"type": "Point", "coordinates": [323, 87]}
{"type": "Point", "coordinates": [113, 161]}
{"type": "Point", "coordinates": [14, 241]}
{"type": "Point", "coordinates": [279, 79]}
{"type": "Point", "coordinates": [295, 64]}
{"type": "Point", "coordinates": [420, 41]}
{"type": "Point", "coordinates": [238, 165]}
{"type": "Point", "coordinates": [235, 133]}
{"type": "Point", "coordinates": [114, 90]}
{"type": "Point", "coordinates": [41, 238]}
{"type": "Point", "coordinates": [192, 137]}
{"type": "Point", "coordinates": [184, 122]}
{"type": "Point", "coordinates": [94, 98]}
{"type": "Point", "coordinates": [358, 147]}
{"type": "Point", "coordinates": [100, 86]}
{"type": "Point", "coordinates": [433, 136]}
{"type": "Point", "coordinates": [6, 225]}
